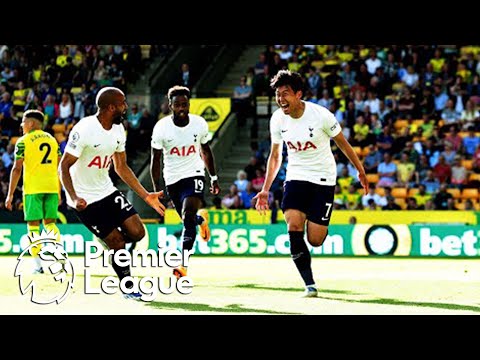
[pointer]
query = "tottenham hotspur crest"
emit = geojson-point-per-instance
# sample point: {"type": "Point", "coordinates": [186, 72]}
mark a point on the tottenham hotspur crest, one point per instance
{"type": "Point", "coordinates": [56, 282]}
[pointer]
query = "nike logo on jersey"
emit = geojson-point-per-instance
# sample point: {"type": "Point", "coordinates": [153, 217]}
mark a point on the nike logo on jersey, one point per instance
{"type": "Point", "coordinates": [283, 131]}
{"type": "Point", "coordinates": [97, 145]}
{"type": "Point", "coordinates": [169, 140]}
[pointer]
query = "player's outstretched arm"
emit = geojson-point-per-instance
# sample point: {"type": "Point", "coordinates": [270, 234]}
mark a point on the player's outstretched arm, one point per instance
{"type": "Point", "coordinates": [12, 185]}
{"type": "Point", "coordinates": [127, 175]}
{"type": "Point", "coordinates": [347, 149]}
{"type": "Point", "coordinates": [273, 165]}
{"type": "Point", "coordinates": [209, 161]}
{"type": "Point", "coordinates": [155, 158]}
{"type": "Point", "coordinates": [66, 163]}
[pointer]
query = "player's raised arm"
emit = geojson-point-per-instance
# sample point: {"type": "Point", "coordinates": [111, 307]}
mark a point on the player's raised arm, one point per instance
{"type": "Point", "coordinates": [347, 149]}
{"type": "Point", "coordinates": [155, 170]}
{"type": "Point", "coordinates": [209, 161]}
{"type": "Point", "coordinates": [66, 163]}
{"type": "Point", "coordinates": [127, 175]}
{"type": "Point", "coordinates": [273, 166]}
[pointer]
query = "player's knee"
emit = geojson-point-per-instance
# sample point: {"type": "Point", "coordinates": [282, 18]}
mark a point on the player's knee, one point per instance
{"type": "Point", "coordinates": [115, 241]}
{"type": "Point", "coordinates": [318, 240]}
{"type": "Point", "coordinates": [295, 227]}
{"type": "Point", "coordinates": [137, 234]}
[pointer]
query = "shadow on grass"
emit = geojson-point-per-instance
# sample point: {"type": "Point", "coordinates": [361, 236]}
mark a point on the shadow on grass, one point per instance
{"type": "Point", "coordinates": [258, 287]}
{"type": "Point", "coordinates": [232, 308]}
{"type": "Point", "coordinates": [380, 301]}
{"type": "Point", "coordinates": [433, 305]}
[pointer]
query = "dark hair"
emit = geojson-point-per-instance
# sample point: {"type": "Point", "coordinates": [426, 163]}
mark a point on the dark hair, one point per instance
{"type": "Point", "coordinates": [34, 114]}
{"type": "Point", "coordinates": [287, 78]}
{"type": "Point", "coordinates": [178, 91]}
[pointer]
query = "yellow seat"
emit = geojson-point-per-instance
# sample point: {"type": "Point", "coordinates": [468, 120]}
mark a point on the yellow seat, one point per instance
{"type": "Point", "coordinates": [399, 193]}
{"type": "Point", "coordinates": [474, 177]}
{"type": "Point", "coordinates": [467, 164]}
{"type": "Point", "coordinates": [471, 194]}
{"type": "Point", "coordinates": [58, 128]}
{"type": "Point", "coordinates": [412, 192]}
{"type": "Point", "coordinates": [358, 150]}
{"type": "Point", "coordinates": [455, 193]}
{"type": "Point", "coordinates": [60, 137]}
{"type": "Point", "coordinates": [365, 151]}
{"type": "Point", "coordinates": [400, 124]}
{"type": "Point", "coordinates": [372, 178]}
{"type": "Point", "coordinates": [13, 139]}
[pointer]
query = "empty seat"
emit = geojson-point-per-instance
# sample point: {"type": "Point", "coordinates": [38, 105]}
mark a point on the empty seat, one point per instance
{"type": "Point", "coordinates": [399, 193]}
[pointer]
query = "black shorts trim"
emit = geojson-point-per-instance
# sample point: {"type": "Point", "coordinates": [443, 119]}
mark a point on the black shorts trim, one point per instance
{"type": "Point", "coordinates": [315, 200]}
{"type": "Point", "coordinates": [106, 215]}
{"type": "Point", "coordinates": [188, 187]}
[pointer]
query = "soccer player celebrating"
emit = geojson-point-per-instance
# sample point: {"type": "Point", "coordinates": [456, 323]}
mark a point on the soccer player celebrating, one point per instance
{"type": "Point", "coordinates": [306, 128]}
{"type": "Point", "coordinates": [38, 153]}
{"type": "Point", "coordinates": [94, 142]}
{"type": "Point", "coordinates": [183, 140]}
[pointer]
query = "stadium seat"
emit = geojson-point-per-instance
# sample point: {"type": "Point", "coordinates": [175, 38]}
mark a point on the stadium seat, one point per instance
{"type": "Point", "coordinates": [365, 151]}
{"type": "Point", "coordinates": [60, 137]}
{"type": "Point", "coordinates": [400, 124]}
{"type": "Point", "coordinates": [13, 139]}
{"type": "Point", "coordinates": [463, 134]}
{"type": "Point", "coordinates": [358, 150]}
{"type": "Point", "coordinates": [418, 122]}
{"type": "Point", "coordinates": [471, 194]}
{"type": "Point", "coordinates": [455, 193]}
{"type": "Point", "coordinates": [474, 177]}
{"type": "Point", "coordinates": [372, 178]}
{"type": "Point", "coordinates": [467, 164]}
{"type": "Point", "coordinates": [58, 128]}
{"type": "Point", "coordinates": [412, 192]}
{"type": "Point", "coordinates": [380, 191]}
{"type": "Point", "coordinates": [401, 202]}
{"type": "Point", "coordinates": [399, 193]}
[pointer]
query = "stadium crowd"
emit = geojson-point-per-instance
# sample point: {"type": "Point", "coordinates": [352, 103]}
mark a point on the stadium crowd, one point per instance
{"type": "Point", "coordinates": [411, 113]}
{"type": "Point", "coordinates": [62, 81]}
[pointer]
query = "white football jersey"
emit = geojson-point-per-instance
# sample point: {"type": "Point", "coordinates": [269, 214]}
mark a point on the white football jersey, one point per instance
{"type": "Point", "coordinates": [181, 147]}
{"type": "Point", "coordinates": [310, 157]}
{"type": "Point", "coordinates": [94, 147]}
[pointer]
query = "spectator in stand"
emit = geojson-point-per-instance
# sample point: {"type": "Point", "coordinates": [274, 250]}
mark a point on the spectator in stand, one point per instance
{"type": "Point", "coordinates": [442, 198]}
{"type": "Point", "coordinates": [405, 171]}
{"type": "Point", "coordinates": [232, 199]}
{"type": "Point", "coordinates": [442, 171]}
{"type": "Point", "coordinates": [470, 142]}
{"type": "Point", "coordinates": [422, 197]}
{"type": "Point", "coordinates": [459, 173]}
{"type": "Point", "coordinates": [387, 171]}
{"type": "Point", "coordinates": [242, 101]}
{"type": "Point", "coordinates": [412, 204]}
{"type": "Point", "coordinates": [65, 110]}
{"type": "Point", "coordinates": [247, 195]}
{"type": "Point", "coordinates": [449, 154]}
{"type": "Point", "coordinates": [372, 160]}
{"type": "Point", "coordinates": [241, 181]}
{"type": "Point", "coordinates": [391, 204]}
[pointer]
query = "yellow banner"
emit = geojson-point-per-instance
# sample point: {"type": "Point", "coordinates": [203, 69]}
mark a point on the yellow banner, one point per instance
{"type": "Point", "coordinates": [252, 217]}
{"type": "Point", "coordinates": [214, 110]}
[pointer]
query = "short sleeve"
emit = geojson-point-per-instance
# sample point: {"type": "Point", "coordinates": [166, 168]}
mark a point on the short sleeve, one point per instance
{"type": "Point", "coordinates": [76, 142]}
{"type": "Point", "coordinates": [204, 139]}
{"type": "Point", "coordinates": [122, 140]}
{"type": "Point", "coordinates": [20, 149]}
{"type": "Point", "coordinates": [157, 141]}
{"type": "Point", "coordinates": [275, 131]}
{"type": "Point", "coordinates": [331, 126]}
